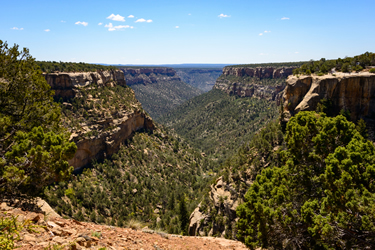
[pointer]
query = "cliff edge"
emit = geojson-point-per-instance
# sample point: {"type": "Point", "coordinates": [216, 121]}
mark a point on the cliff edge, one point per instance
{"type": "Point", "coordinates": [354, 92]}
{"type": "Point", "coordinates": [261, 82]}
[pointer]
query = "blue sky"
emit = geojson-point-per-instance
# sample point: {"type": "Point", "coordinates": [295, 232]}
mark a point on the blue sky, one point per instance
{"type": "Point", "coordinates": [172, 32]}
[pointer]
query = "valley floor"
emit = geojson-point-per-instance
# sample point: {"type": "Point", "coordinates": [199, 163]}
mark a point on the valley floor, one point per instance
{"type": "Point", "coordinates": [55, 232]}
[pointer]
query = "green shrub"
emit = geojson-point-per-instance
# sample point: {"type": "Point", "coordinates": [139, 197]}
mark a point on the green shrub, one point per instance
{"type": "Point", "coordinates": [9, 232]}
{"type": "Point", "coordinates": [372, 70]}
{"type": "Point", "coordinates": [323, 195]}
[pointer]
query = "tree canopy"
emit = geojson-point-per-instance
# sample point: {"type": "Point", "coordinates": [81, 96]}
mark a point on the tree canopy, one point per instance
{"type": "Point", "coordinates": [322, 197]}
{"type": "Point", "coordinates": [34, 148]}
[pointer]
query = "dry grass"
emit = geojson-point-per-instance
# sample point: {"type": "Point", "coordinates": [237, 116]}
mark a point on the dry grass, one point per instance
{"type": "Point", "coordinates": [134, 224]}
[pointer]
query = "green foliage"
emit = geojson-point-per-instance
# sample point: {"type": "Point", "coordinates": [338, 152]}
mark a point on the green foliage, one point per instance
{"type": "Point", "coordinates": [34, 148]}
{"type": "Point", "coordinates": [97, 234]}
{"type": "Point", "coordinates": [183, 215]}
{"type": "Point", "coordinates": [218, 124]}
{"type": "Point", "coordinates": [49, 67]}
{"type": "Point", "coordinates": [138, 183]}
{"type": "Point", "coordinates": [372, 70]}
{"type": "Point", "coordinates": [9, 232]}
{"type": "Point", "coordinates": [239, 171]}
{"type": "Point", "coordinates": [162, 96]}
{"type": "Point", "coordinates": [361, 128]}
{"type": "Point", "coordinates": [323, 195]}
{"type": "Point", "coordinates": [347, 64]}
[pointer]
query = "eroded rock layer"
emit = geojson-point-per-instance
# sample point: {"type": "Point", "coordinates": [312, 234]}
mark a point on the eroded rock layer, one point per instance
{"type": "Point", "coordinates": [353, 92]}
{"type": "Point", "coordinates": [108, 142]}
{"type": "Point", "coordinates": [261, 82]}
{"type": "Point", "coordinates": [100, 137]}
{"type": "Point", "coordinates": [66, 84]}
{"type": "Point", "coordinates": [147, 76]}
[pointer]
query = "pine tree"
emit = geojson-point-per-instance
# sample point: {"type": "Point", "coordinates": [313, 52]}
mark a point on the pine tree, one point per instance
{"type": "Point", "coordinates": [183, 215]}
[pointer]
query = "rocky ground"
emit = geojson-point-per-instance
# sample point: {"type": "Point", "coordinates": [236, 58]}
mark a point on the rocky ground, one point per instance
{"type": "Point", "coordinates": [47, 230]}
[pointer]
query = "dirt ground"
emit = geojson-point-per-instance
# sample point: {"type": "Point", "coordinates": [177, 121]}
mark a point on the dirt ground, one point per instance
{"type": "Point", "coordinates": [53, 232]}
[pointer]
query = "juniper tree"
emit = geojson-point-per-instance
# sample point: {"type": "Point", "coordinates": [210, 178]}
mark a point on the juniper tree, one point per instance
{"type": "Point", "coordinates": [323, 197]}
{"type": "Point", "coordinates": [34, 148]}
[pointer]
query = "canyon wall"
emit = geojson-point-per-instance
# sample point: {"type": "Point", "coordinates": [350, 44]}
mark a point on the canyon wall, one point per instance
{"type": "Point", "coordinates": [108, 142]}
{"type": "Point", "coordinates": [111, 129]}
{"type": "Point", "coordinates": [67, 84]}
{"type": "Point", "coordinates": [261, 82]}
{"type": "Point", "coordinates": [147, 76]}
{"type": "Point", "coordinates": [354, 92]}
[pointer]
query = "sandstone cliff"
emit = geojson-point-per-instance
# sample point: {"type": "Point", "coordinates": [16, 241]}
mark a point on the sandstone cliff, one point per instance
{"type": "Point", "coordinates": [147, 76]}
{"type": "Point", "coordinates": [261, 82]}
{"type": "Point", "coordinates": [353, 92]}
{"type": "Point", "coordinates": [67, 84]}
{"type": "Point", "coordinates": [100, 111]}
{"type": "Point", "coordinates": [112, 132]}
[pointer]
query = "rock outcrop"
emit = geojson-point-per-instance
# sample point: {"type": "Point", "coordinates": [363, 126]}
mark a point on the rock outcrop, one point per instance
{"type": "Point", "coordinates": [111, 127]}
{"type": "Point", "coordinates": [249, 82]}
{"type": "Point", "coordinates": [108, 142]}
{"type": "Point", "coordinates": [224, 201]}
{"type": "Point", "coordinates": [147, 76]}
{"type": "Point", "coordinates": [67, 84]}
{"type": "Point", "coordinates": [354, 92]}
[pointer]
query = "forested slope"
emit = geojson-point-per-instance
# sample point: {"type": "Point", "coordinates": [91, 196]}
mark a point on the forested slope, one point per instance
{"type": "Point", "coordinates": [147, 180]}
{"type": "Point", "coordinates": [217, 123]}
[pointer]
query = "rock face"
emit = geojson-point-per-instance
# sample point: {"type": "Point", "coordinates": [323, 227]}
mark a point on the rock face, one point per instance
{"type": "Point", "coordinates": [353, 92]}
{"type": "Point", "coordinates": [147, 76]}
{"type": "Point", "coordinates": [67, 84]}
{"type": "Point", "coordinates": [259, 72]}
{"type": "Point", "coordinates": [112, 130]}
{"type": "Point", "coordinates": [224, 200]}
{"type": "Point", "coordinates": [108, 142]}
{"type": "Point", "coordinates": [247, 82]}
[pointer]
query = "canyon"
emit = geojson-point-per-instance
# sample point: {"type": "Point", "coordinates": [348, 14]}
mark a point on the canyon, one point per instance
{"type": "Point", "coordinates": [159, 89]}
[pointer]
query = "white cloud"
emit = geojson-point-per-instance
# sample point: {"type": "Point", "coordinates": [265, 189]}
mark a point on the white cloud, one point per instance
{"type": "Point", "coordinates": [285, 18]}
{"type": "Point", "coordinates": [118, 27]}
{"type": "Point", "coordinates": [82, 23]}
{"type": "Point", "coordinates": [100, 23]}
{"type": "Point", "coordinates": [261, 34]}
{"type": "Point", "coordinates": [116, 18]}
{"type": "Point", "coordinates": [177, 27]}
{"type": "Point", "coordinates": [15, 28]}
{"type": "Point", "coordinates": [130, 16]}
{"type": "Point", "coordinates": [142, 20]}
{"type": "Point", "coordinates": [267, 31]}
{"type": "Point", "coordinates": [63, 21]}
{"type": "Point", "coordinates": [263, 54]}
{"type": "Point", "coordinates": [47, 30]}
{"type": "Point", "coordinates": [189, 14]}
{"type": "Point", "coordinates": [296, 52]}
{"type": "Point", "coordinates": [222, 15]}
